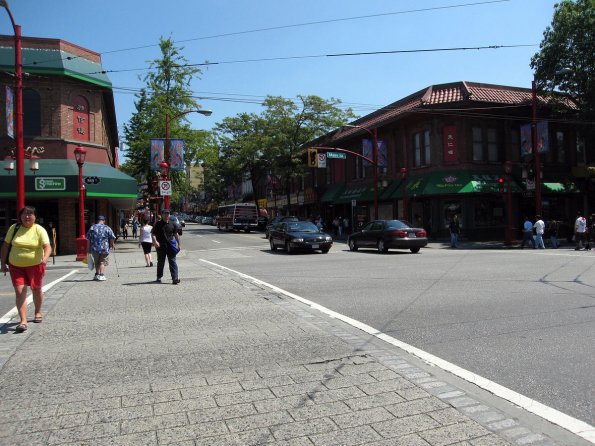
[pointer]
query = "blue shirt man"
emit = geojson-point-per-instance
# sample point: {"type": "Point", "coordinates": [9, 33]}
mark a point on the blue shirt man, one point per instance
{"type": "Point", "coordinates": [100, 238]}
{"type": "Point", "coordinates": [527, 233]}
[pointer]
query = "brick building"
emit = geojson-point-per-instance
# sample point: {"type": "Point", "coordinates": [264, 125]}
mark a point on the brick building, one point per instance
{"type": "Point", "coordinates": [67, 102]}
{"type": "Point", "coordinates": [442, 151]}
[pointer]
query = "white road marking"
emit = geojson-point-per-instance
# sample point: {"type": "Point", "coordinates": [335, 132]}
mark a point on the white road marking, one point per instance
{"type": "Point", "coordinates": [12, 313]}
{"type": "Point", "coordinates": [567, 422]}
{"type": "Point", "coordinates": [215, 241]}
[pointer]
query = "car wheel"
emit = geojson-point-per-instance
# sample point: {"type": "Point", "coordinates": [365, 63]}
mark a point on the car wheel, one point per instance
{"type": "Point", "coordinates": [273, 247]}
{"type": "Point", "coordinates": [352, 245]}
{"type": "Point", "coordinates": [288, 248]}
{"type": "Point", "coordinates": [381, 247]}
{"type": "Point", "coordinates": [325, 250]}
{"type": "Point", "coordinates": [414, 250]}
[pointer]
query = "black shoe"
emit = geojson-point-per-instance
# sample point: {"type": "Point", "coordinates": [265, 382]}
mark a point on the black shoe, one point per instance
{"type": "Point", "coordinates": [151, 264]}
{"type": "Point", "coordinates": [175, 281]}
{"type": "Point", "coordinates": [158, 280]}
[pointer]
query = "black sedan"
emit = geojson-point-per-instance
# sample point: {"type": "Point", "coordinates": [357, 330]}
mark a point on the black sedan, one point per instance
{"type": "Point", "coordinates": [386, 234]}
{"type": "Point", "coordinates": [299, 236]}
{"type": "Point", "coordinates": [275, 221]}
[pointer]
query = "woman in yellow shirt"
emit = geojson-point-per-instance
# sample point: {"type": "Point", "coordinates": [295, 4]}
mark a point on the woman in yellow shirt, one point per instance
{"type": "Point", "coordinates": [30, 250]}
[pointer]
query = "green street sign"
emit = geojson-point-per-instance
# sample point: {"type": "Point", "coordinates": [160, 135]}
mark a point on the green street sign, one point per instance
{"type": "Point", "coordinates": [336, 155]}
{"type": "Point", "coordinates": [50, 183]}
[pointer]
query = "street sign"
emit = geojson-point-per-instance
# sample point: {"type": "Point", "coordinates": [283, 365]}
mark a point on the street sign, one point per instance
{"type": "Point", "coordinates": [164, 188]}
{"type": "Point", "coordinates": [50, 183]}
{"type": "Point", "coordinates": [322, 160]}
{"type": "Point", "coordinates": [336, 155]}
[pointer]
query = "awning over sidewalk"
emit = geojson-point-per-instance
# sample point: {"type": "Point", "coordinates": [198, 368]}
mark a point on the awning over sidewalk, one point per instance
{"type": "Point", "coordinates": [560, 188]}
{"type": "Point", "coordinates": [453, 182]}
{"type": "Point", "coordinates": [360, 192]}
{"type": "Point", "coordinates": [58, 178]}
{"type": "Point", "coordinates": [332, 192]}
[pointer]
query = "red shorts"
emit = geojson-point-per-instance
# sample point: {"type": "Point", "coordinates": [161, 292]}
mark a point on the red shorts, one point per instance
{"type": "Point", "coordinates": [31, 276]}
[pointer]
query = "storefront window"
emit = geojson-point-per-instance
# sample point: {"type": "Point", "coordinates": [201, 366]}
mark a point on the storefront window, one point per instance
{"type": "Point", "coordinates": [488, 212]}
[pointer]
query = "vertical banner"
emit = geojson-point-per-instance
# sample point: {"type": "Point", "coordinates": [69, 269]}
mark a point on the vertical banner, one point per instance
{"type": "Point", "coordinates": [176, 154]}
{"type": "Point", "coordinates": [368, 152]}
{"type": "Point", "coordinates": [382, 155]}
{"type": "Point", "coordinates": [367, 149]}
{"type": "Point", "coordinates": [157, 155]}
{"type": "Point", "coordinates": [542, 136]}
{"type": "Point", "coordinates": [450, 143]}
{"type": "Point", "coordinates": [9, 112]}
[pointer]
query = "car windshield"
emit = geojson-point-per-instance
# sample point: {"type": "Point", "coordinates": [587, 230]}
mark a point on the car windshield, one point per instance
{"type": "Point", "coordinates": [302, 226]}
{"type": "Point", "coordinates": [397, 224]}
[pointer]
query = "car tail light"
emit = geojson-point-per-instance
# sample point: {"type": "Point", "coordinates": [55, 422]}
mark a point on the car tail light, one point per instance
{"type": "Point", "coordinates": [399, 234]}
{"type": "Point", "coordinates": [422, 233]}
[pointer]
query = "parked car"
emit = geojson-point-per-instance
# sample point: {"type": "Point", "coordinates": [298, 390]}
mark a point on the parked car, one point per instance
{"type": "Point", "coordinates": [275, 221]}
{"type": "Point", "coordinates": [299, 236]}
{"type": "Point", "coordinates": [207, 220]}
{"type": "Point", "coordinates": [388, 234]}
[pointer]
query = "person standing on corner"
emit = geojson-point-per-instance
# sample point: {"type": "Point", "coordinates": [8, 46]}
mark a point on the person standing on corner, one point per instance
{"type": "Point", "coordinates": [100, 239]}
{"type": "Point", "coordinates": [580, 231]}
{"type": "Point", "coordinates": [527, 233]}
{"type": "Point", "coordinates": [164, 233]}
{"type": "Point", "coordinates": [539, 230]}
{"type": "Point", "coordinates": [455, 231]}
{"type": "Point", "coordinates": [553, 230]}
{"type": "Point", "coordinates": [146, 241]}
{"type": "Point", "coordinates": [30, 250]}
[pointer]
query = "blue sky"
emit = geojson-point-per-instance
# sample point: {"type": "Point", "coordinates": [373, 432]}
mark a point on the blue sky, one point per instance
{"type": "Point", "coordinates": [365, 82]}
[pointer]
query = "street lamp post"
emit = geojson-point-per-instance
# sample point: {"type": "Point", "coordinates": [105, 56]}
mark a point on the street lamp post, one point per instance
{"type": "Point", "coordinates": [374, 135]}
{"type": "Point", "coordinates": [508, 232]}
{"type": "Point", "coordinates": [81, 242]}
{"type": "Point", "coordinates": [18, 74]}
{"type": "Point", "coordinates": [405, 194]}
{"type": "Point", "coordinates": [167, 153]}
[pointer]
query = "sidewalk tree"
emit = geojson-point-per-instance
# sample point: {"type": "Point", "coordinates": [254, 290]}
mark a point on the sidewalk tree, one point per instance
{"type": "Point", "coordinates": [566, 60]}
{"type": "Point", "coordinates": [166, 92]}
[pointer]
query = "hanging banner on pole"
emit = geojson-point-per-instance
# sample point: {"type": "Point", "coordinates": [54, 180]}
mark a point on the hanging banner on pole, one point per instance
{"type": "Point", "coordinates": [176, 147]}
{"type": "Point", "coordinates": [9, 112]}
{"type": "Point", "coordinates": [157, 153]}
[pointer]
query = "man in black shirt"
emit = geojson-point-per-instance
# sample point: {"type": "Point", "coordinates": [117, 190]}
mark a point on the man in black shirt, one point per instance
{"type": "Point", "coordinates": [166, 240]}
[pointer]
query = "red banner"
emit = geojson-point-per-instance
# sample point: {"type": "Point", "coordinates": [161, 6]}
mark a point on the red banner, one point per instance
{"type": "Point", "coordinates": [449, 135]}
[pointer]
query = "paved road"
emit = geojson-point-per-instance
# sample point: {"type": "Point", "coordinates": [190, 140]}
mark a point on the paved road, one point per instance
{"type": "Point", "coordinates": [524, 319]}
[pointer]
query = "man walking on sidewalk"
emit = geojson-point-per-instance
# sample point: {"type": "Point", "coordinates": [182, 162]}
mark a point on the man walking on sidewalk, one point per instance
{"type": "Point", "coordinates": [166, 240]}
{"type": "Point", "coordinates": [100, 239]}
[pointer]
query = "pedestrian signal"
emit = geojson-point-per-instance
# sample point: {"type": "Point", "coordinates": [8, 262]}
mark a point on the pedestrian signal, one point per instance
{"type": "Point", "coordinates": [501, 184]}
{"type": "Point", "coordinates": [312, 158]}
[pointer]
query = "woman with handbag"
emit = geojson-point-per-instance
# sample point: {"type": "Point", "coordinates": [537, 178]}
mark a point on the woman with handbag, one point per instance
{"type": "Point", "coordinates": [166, 239]}
{"type": "Point", "coordinates": [25, 253]}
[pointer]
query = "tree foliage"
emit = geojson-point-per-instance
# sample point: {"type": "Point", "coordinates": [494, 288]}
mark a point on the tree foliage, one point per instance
{"type": "Point", "coordinates": [566, 60]}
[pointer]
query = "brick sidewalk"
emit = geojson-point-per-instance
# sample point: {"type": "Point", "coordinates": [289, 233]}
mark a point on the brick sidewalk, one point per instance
{"type": "Point", "coordinates": [218, 360]}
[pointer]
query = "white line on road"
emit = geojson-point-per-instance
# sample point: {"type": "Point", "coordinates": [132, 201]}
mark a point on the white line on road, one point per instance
{"type": "Point", "coordinates": [567, 422]}
{"type": "Point", "coordinates": [215, 241]}
{"type": "Point", "coordinates": [12, 313]}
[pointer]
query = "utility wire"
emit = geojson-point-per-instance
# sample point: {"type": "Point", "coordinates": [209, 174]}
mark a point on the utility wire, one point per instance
{"type": "Point", "coordinates": [295, 25]}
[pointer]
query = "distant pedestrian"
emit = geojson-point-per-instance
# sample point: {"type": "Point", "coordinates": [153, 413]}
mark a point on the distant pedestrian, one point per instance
{"type": "Point", "coordinates": [553, 229]}
{"type": "Point", "coordinates": [164, 233]}
{"type": "Point", "coordinates": [539, 230]}
{"type": "Point", "coordinates": [590, 232]}
{"type": "Point", "coordinates": [134, 228]}
{"type": "Point", "coordinates": [455, 231]}
{"type": "Point", "coordinates": [527, 233]}
{"type": "Point", "coordinates": [336, 226]}
{"type": "Point", "coordinates": [25, 253]}
{"type": "Point", "coordinates": [580, 231]}
{"type": "Point", "coordinates": [100, 239]}
{"type": "Point", "coordinates": [340, 226]}
{"type": "Point", "coordinates": [146, 241]}
{"type": "Point", "coordinates": [124, 228]}
{"type": "Point", "coordinates": [345, 225]}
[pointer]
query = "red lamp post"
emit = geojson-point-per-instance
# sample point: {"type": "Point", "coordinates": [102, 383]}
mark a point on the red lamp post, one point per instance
{"type": "Point", "coordinates": [536, 154]}
{"type": "Point", "coordinates": [165, 177]}
{"type": "Point", "coordinates": [81, 242]}
{"type": "Point", "coordinates": [405, 194]}
{"type": "Point", "coordinates": [18, 74]}
{"type": "Point", "coordinates": [508, 232]}
{"type": "Point", "coordinates": [167, 153]}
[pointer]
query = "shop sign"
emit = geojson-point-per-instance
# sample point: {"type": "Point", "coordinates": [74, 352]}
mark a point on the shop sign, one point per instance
{"type": "Point", "coordinates": [50, 183]}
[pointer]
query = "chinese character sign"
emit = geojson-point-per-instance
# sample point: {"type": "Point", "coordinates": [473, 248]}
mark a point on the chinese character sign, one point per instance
{"type": "Point", "coordinates": [449, 136]}
{"type": "Point", "coordinates": [157, 150]}
{"type": "Point", "coordinates": [9, 112]}
{"type": "Point", "coordinates": [176, 154]}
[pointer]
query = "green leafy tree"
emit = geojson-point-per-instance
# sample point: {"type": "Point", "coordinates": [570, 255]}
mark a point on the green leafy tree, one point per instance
{"type": "Point", "coordinates": [166, 92]}
{"type": "Point", "coordinates": [566, 60]}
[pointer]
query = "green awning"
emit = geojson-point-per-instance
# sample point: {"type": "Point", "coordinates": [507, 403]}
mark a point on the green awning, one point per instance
{"type": "Point", "coordinates": [453, 182]}
{"type": "Point", "coordinates": [361, 192]}
{"type": "Point", "coordinates": [332, 192]}
{"type": "Point", "coordinates": [54, 61]}
{"type": "Point", "coordinates": [57, 178]}
{"type": "Point", "coordinates": [560, 188]}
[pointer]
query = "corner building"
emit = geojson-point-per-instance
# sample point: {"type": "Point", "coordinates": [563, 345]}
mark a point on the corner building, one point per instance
{"type": "Point", "coordinates": [67, 102]}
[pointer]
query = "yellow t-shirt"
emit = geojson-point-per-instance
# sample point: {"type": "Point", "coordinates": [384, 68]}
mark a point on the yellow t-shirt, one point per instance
{"type": "Point", "coordinates": [27, 246]}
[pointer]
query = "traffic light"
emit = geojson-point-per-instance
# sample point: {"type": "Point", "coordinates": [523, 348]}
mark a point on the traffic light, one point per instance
{"type": "Point", "coordinates": [312, 158]}
{"type": "Point", "coordinates": [501, 184]}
